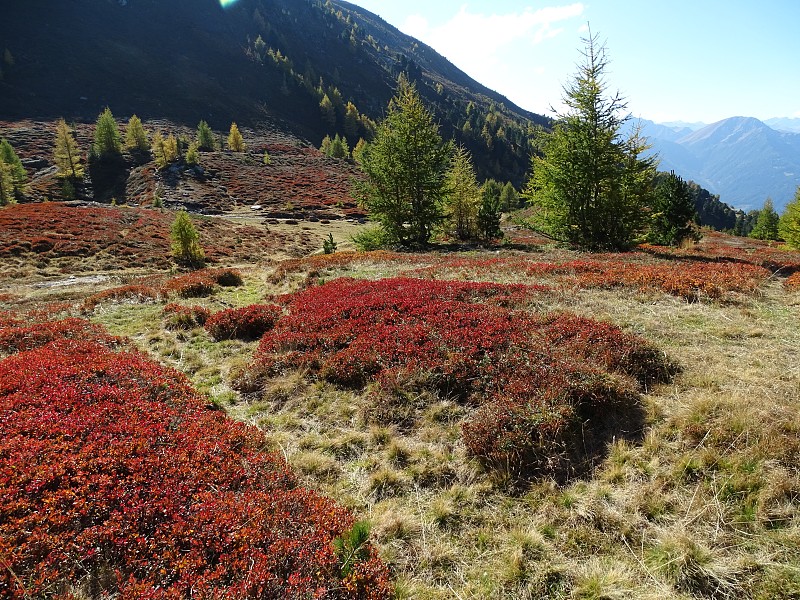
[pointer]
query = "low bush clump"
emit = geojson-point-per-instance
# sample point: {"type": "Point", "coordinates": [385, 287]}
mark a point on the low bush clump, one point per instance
{"type": "Point", "coordinates": [537, 380]}
{"type": "Point", "coordinates": [19, 336]}
{"type": "Point", "coordinates": [118, 482]}
{"type": "Point", "coordinates": [202, 283]}
{"type": "Point", "coordinates": [133, 292]}
{"type": "Point", "coordinates": [192, 285]}
{"type": "Point", "coordinates": [178, 316]}
{"type": "Point", "coordinates": [793, 281]}
{"type": "Point", "coordinates": [227, 277]}
{"type": "Point", "coordinates": [247, 323]}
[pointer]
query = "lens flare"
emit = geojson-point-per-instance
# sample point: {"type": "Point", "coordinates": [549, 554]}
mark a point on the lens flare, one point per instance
{"type": "Point", "coordinates": [227, 3]}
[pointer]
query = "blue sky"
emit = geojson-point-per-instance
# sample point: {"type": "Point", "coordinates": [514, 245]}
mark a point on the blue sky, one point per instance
{"type": "Point", "coordinates": [688, 60]}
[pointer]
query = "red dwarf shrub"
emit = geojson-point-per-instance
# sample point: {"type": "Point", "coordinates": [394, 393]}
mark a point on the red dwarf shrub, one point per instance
{"type": "Point", "coordinates": [192, 285]}
{"type": "Point", "coordinates": [692, 280]}
{"type": "Point", "coordinates": [202, 283]}
{"type": "Point", "coordinates": [537, 380]}
{"type": "Point", "coordinates": [133, 292]}
{"type": "Point", "coordinates": [19, 336]}
{"type": "Point", "coordinates": [119, 482]}
{"type": "Point", "coordinates": [608, 346]}
{"type": "Point", "coordinates": [178, 316]}
{"type": "Point", "coordinates": [793, 281]}
{"type": "Point", "coordinates": [248, 323]}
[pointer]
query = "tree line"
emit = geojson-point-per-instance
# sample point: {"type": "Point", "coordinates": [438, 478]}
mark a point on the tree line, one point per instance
{"type": "Point", "coordinates": [108, 143]}
{"type": "Point", "coordinates": [588, 185]}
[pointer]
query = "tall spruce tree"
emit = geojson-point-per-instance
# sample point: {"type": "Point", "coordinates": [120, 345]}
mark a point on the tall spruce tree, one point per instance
{"type": "Point", "coordinates": [590, 185]}
{"type": "Point", "coordinates": [406, 168]}
{"type": "Point", "coordinates": [463, 196]}
{"type": "Point", "coordinates": [66, 154]}
{"type": "Point", "coordinates": [672, 211]}
{"type": "Point", "coordinates": [766, 227]}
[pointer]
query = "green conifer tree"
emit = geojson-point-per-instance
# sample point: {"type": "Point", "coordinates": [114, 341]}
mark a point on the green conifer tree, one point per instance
{"type": "Point", "coordinates": [66, 154]}
{"type": "Point", "coordinates": [358, 150]}
{"type": "Point", "coordinates": [789, 225]}
{"type": "Point", "coordinates": [672, 212]}
{"type": "Point", "coordinates": [171, 148]}
{"type": "Point", "coordinates": [406, 169]}
{"type": "Point", "coordinates": [186, 240]}
{"type": "Point", "coordinates": [205, 137]}
{"type": "Point", "coordinates": [192, 155]}
{"type": "Point", "coordinates": [352, 121]}
{"type": "Point", "coordinates": [509, 198]}
{"type": "Point", "coordinates": [235, 139]}
{"type": "Point", "coordinates": [159, 150]}
{"type": "Point", "coordinates": [590, 186]}
{"type": "Point", "coordinates": [463, 196]}
{"type": "Point", "coordinates": [328, 111]}
{"type": "Point", "coordinates": [766, 227]}
{"type": "Point", "coordinates": [339, 147]}
{"type": "Point", "coordinates": [325, 147]}
{"type": "Point", "coordinates": [135, 136]}
{"type": "Point", "coordinates": [6, 184]}
{"type": "Point", "coordinates": [106, 135]}
{"type": "Point", "coordinates": [19, 175]}
{"type": "Point", "coordinates": [490, 211]}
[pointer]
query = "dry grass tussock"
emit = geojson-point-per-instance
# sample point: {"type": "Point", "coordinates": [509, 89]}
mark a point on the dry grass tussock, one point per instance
{"type": "Point", "coordinates": [705, 505]}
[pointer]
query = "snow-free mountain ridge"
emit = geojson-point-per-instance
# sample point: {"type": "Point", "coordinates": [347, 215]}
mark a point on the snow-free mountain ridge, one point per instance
{"type": "Point", "coordinates": [741, 159]}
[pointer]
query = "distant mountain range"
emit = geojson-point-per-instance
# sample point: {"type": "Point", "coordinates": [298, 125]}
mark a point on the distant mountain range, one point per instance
{"type": "Point", "coordinates": [741, 159]}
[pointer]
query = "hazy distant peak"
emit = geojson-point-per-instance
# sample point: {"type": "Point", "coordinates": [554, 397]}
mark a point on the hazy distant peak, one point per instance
{"type": "Point", "coordinates": [742, 159]}
{"type": "Point", "coordinates": [789, 124]}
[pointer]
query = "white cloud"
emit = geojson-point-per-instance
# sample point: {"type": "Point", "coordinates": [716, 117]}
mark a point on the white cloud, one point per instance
{"type": "Point", "coordinates": [490, 47]}
{"type": "Point", "coordinates": [416, 26]}
{"type": "Point", "coordinates": [474, 34]}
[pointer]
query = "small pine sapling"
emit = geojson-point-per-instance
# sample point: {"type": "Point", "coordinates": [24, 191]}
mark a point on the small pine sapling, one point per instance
{"type": "Point", "coordinates": [186, 241]}
{"type": "Point", "coordinates": [328, 245]}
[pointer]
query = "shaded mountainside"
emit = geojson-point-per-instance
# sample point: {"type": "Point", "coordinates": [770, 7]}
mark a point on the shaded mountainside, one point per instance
{"type": "Point", "coordinates": [741, 159]}
{"type": "Point", "coordinates": [258, 61]}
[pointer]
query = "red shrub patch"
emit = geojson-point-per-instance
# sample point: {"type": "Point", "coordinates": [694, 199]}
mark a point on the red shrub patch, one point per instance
{"type": "Point", "coordinates": [248, 323]}
{"type": "Point", "coordinates": [117, 479]}
{"type": "Point", "coordinates": [178, 316]}
{"type": "Point", "coordinates": [688, 279]}
{"type": "Point", "coordinates": [135, 237]}
{"type": "Point", "coordinates": [17, 336]}
{"type": "Point", "coordinates": [536, 379]}
{"type": "Point", "coordinates": [134, 292]}
{"type": "Point", "coordinates": [192, 285]}
{"type": "Point", "coordinates": [204, 282]}
{"type": "Point", "coordinates": [793, 281]}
